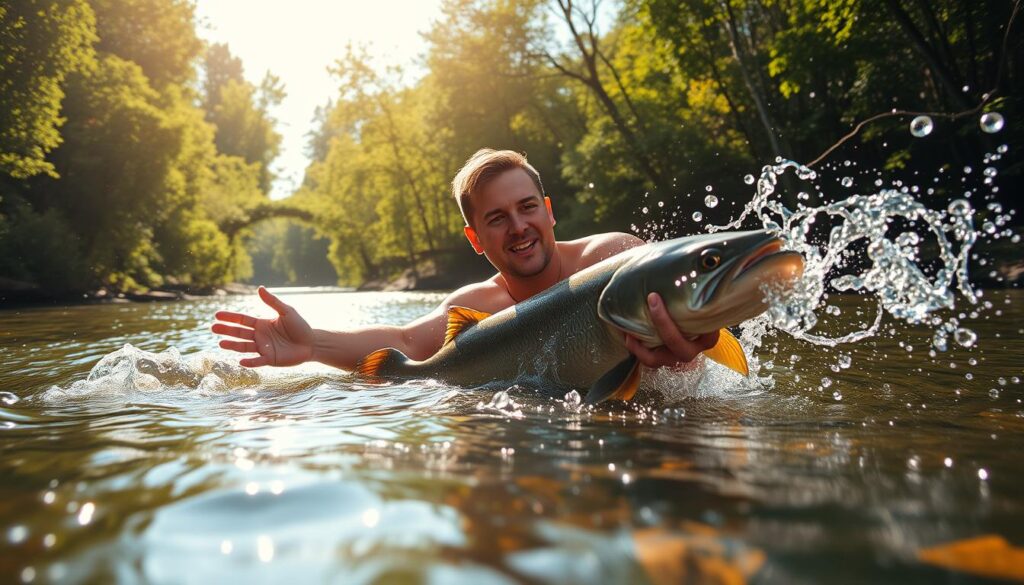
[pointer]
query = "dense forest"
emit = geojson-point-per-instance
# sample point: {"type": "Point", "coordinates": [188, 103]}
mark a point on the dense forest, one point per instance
{"type": "Point", "coordinates": [134, 155]}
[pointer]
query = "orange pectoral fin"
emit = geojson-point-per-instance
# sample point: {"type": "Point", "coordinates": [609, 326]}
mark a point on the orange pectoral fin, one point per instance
{"type": "Point", "coordinates": [461, 318]}
{"type": "Point", "coordinates": [370, 366]}
{"type": "Point", "coordinates": [729, 353]}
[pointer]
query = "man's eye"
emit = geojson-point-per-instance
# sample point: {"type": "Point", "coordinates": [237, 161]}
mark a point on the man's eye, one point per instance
{"type": "Point", "coordinates": [495, 220]}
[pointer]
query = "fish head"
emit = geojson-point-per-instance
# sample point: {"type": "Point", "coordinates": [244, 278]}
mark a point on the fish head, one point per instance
{"type": "Point", "coordinates": [707, 282]}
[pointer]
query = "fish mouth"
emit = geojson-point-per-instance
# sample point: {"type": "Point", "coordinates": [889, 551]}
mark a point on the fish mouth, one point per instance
{"type": "Point", "coordinates": [766, 250]}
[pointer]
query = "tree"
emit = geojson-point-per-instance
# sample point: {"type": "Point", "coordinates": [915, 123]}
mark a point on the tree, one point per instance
{"type": "Point", "coordinates": [41, 43]}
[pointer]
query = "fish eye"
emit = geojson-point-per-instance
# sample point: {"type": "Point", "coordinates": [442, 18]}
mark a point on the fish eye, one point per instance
{"type": "Point", "coordinates": [710, 259]}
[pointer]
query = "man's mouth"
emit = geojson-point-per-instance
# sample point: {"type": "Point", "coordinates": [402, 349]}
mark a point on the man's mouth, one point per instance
{"type": "Point", "coordinates": [523, 247]}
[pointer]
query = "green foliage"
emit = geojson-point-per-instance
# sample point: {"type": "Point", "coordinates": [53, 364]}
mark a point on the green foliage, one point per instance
{"type": "Point", "coordinates": [41, 42]}
{"type": "Point", "coordinates": [136, 192]}
{"type": "Point", "coordinates": [132, 155]}
{"type": "Point", "coordinates": [41, 248]}
{"type": "Point", "coordinates": [157, 35]}
{"type": "Point", "coordinates": [241, 112]}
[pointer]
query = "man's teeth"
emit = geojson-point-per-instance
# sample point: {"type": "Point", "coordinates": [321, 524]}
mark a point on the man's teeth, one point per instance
{"type": "Point", "coordinates": [521, 247]}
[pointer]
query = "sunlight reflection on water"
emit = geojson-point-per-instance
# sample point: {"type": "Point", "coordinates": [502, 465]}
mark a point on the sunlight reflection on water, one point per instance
{"type": "Point", "coordinates": [307, 475]}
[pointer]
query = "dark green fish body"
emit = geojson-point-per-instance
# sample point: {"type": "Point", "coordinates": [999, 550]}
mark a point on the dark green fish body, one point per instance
{"type": "Point", "coordinates": [555, 336]}
{"type": "Point", "coordinates": [573, 334]}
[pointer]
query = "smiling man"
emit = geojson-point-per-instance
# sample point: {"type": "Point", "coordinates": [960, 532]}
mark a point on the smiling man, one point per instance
{"type": "Point", "coordinates": [508, 220]}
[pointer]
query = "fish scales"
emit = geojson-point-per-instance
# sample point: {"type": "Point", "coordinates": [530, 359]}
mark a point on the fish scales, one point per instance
{"type": "Point", "coordinates": [556, 336]}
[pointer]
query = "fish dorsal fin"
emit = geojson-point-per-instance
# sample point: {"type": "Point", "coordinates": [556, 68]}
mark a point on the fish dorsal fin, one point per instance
{"type": "Point", "coordinates": [460, 319]}
{"type": "Point", "coordinates": [618, 383]}
{"type": "Point", "coordinates": [728, 353]}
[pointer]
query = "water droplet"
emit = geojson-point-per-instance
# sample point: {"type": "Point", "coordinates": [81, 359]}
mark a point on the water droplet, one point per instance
{"type": "Point", "coordinates": [17, 534]}
{"type": "Point", "coordinates": [1002, 148]}
{"type": "Point", "coordinates": [837, 395]}
{"type": "Point", "coordinates": [590, 185]}
{"type": "Point", "coordinates": [921, 126]}
{"type": "Point", "coordinates": [990, 172]}
{"type": "Point", "coordinates": [749, 179]}
{"type": "Point", "coordinates": [845, 361]}
{"type": "Point", "coordinates": [711, 201]}
{"type": "Point", "coordinates": [826, 382]}
{"type": "Point", "coordinates": [982, 474]}
{"type": "Point", "coordinates": [847, 182]}
{"type": "Point", "coordinates": [965, 337]}
{"type": "Point", "coordinates": [8, 398]}
{"type": "Point", "coordinates": [709, 188]}
{"type": "Point", "coordinates": [991, 122]}
{"type": "Point", "coordinates": [697, 216]}
{"type": "Point", "coordinates": [908, 239]}
{"type": "Point", "coordinates": [644, 210]}
{"type": "Point", "coordinates": [661, 204]}
{"type": "Point", "coordinates": [960, 207]}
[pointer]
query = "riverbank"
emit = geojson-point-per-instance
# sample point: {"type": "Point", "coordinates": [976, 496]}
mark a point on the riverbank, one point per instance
{"type": "Point", "coordinates": [14, 293]}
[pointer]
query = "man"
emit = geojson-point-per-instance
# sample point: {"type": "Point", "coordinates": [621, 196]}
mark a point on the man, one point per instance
{"type": "Point", "coordinates": [508, 220]}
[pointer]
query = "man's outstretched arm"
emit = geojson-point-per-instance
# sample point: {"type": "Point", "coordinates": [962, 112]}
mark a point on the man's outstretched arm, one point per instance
{"type": "Point", "coordinates": [288, 340]}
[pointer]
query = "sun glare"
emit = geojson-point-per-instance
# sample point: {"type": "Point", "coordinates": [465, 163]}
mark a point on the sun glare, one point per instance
{"type": "Point", "coordinates": [298, 40]}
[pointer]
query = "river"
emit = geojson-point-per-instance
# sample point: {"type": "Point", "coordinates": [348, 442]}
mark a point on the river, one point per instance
{"type": "Point", "coordinates": [306, 476]}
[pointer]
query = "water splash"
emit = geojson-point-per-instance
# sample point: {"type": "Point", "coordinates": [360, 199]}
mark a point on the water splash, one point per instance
{"type": "Point", "coordinates": [888, 245]}
{"type": "Point", "coordinates": [131, 371]}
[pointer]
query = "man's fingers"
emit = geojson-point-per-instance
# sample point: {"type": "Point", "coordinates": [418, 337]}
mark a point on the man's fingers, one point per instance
{"type": "Point", "coordinates": [683, 349]}
{"type": "Point", "coordinates": [652, 358]}
{"type": "Point", "coordinates": [239, 346]}
{"type": "Point", "coordinates": [233, 317]}
{"type": "Point", "coordinates": [707, 340]}
{"type": "Point", "coordinates": [254, 362]}
{"type": "Point", "coordinates": [233, 331]}
{"type": "Point", "coordinates": [274, 302]}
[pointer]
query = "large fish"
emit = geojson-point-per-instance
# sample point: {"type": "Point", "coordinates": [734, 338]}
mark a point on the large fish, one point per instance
{"type": "Point", "coordinates": [571, 335]}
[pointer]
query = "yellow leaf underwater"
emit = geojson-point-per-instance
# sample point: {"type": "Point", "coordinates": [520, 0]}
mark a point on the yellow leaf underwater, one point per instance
{"type": "Point", "coordinates": [986, 556]}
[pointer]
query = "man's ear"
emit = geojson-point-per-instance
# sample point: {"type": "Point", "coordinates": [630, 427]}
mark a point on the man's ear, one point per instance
{"type": "Point", "coordinates": [551, 214]}
{"type": "Point", "coordinates": [474, 240]}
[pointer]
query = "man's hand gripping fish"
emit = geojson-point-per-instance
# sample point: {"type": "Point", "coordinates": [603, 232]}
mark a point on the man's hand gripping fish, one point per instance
{"type": "Point", "coordinates": [572, 335]}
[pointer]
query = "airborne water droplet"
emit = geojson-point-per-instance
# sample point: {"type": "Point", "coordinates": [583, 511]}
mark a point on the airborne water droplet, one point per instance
{"type": "Point", "coordinates": [711, 201]}
{"type": "Point", "coordinates": [847, 182]}
{"type": "Point", "coordinates": [965, 337]}
{"type": "Point", "coordinates": [749, 179]}
{"type": "Point", "coordinates": [991, 122]}
{"type": "Point", "coordinates": [921, 126]}
{"type": "Point", "coordinates": [960, 207]}
{"type": "Point", "coordinates": [697, 216]}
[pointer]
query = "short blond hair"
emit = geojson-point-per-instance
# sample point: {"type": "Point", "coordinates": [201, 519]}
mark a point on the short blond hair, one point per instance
{"type": "Point", "coordinates": [482, 168]}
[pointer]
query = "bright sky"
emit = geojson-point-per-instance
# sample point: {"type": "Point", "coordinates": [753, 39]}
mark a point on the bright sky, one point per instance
{"type": "Point", "coordinates": [297, 40]}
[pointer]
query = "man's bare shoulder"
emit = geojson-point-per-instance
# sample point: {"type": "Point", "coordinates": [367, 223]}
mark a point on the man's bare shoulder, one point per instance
{"type": "Point", "coordinates": [593, 249]}
{"type": "Point", "coordinates": [488, 296]}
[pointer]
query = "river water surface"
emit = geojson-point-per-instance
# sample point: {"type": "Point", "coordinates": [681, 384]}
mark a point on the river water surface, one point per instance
{"type": "Point", "coordinates": [841, 465]}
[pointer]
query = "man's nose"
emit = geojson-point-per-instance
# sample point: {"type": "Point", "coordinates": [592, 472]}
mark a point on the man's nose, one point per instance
{"type": "Point", "coordinates": [516, 224]}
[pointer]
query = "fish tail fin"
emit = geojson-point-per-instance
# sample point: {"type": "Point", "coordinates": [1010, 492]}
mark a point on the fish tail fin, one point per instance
{"type": "Point", "coordinates": [375, 362]}
{"type": "Point", "coordinates": [729, 353]}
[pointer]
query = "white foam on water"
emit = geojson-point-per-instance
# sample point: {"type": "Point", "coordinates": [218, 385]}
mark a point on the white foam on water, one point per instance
{"type": "Point", "coordinates": [131, 372]}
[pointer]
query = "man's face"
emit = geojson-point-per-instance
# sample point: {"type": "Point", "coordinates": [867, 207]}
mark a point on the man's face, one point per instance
{"type": "Point", "coordinates": [512, 225]}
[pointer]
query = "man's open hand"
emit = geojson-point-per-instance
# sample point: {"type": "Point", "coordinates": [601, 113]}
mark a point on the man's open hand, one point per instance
{"type": "Point", "coordinates": [678, 350]}
{"type": "Point", "coordinates": [285, 340]}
